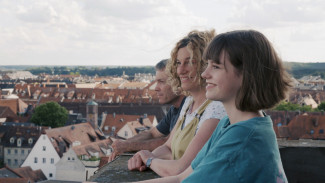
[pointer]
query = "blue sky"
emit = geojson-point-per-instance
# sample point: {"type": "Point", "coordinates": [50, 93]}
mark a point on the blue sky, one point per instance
{"type": "Point", "coordinates": [142, 32]}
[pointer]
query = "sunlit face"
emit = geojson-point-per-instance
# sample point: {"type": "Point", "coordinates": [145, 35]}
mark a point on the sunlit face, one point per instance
{"type": "Point", "coordinates": [186, 71]}
{"type": "Point", "coordinates": [164, 91]}
{"type": "Point", "coordinates": [223, 82]}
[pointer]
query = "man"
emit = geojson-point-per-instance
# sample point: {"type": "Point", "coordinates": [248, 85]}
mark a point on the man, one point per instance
{"type": "Point", "coordinates": [149, 140]}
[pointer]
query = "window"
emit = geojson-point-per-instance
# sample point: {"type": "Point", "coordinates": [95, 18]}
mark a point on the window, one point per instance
{"type": "Point", "coordinates": [113, 128]}
{"type": "Point", "coordinates": [16, 161]}
{"type": "Point", "coordinates": [35, 160]}
{"type": "Point", "coordinates": [12, 140]}
{"type": "Point", "coordinates": [52, 160]}
{"type": "Point", "coordinates": [44, 160]}
{"type": "Point", "coordinates": [19, 142]}
{"type": "Point", "coordinates": [106, 128]}
{"type": "Point", "coordinates": [9, 161]}
{"type": "Point", "coordinates": [30, 141]}
{"type": "Point", "coordinates": [16, 151]}
{"type": "Point", "coordinates": [9, 151]}
{"type": "Point", "coordinates": [50, 175]}
{"type": "Point", "coordinates": [68, 158]}
{"type": "Point", "coordinates": [125, 133]}
{"type": "Point", "coordinates": [44, 148]}
{"type": "Point", "coordinates": [321, 131]}
{"type": "Point", "coordinates": [72, 158]}
{"type": "Point", "coordinates": [22, 151]}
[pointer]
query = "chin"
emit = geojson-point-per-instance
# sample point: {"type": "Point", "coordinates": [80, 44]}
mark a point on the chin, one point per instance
{"type": "Point", "coordinates": [210, 97]}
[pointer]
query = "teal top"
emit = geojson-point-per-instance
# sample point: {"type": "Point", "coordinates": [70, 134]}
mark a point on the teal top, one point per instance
{"type": "Point", "coordinates": [246, 151]}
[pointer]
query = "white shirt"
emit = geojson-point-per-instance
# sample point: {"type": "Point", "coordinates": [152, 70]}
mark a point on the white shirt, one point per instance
{"type": "Point", "coordinates": [214, 110]}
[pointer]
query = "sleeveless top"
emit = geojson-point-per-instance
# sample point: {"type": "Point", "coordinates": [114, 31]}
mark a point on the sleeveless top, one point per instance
{"type": "Point", "coordinates": [183, 137]}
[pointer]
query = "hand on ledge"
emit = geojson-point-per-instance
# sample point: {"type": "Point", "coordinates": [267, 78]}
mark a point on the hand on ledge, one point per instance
{"type": "Point", "coordinates": [136, 163]}
{"type": "Point", "coordinates": [118, 147]}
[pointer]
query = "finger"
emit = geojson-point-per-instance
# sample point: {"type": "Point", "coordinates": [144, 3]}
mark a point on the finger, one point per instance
{"type": "Point", "coordinates": [112, 157]}
{"type": "Point", "coordinates": [133, 162]}
{"type": "Point", "coordinates": [142, 168]}
{"type": "Point", "coordinates": [109, 158]}
{"type": "Point", "coordinates": [130, 164]}
{"type": "Point", "coordinates": [139, 162]}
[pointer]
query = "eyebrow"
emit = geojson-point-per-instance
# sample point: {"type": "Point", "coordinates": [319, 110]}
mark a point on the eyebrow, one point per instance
{"type": "Point", "coordinates": [187, 58]}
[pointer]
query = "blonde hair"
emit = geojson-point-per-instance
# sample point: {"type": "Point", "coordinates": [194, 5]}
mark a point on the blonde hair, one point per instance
{"type": "Point", "coordinates": [195, 42]}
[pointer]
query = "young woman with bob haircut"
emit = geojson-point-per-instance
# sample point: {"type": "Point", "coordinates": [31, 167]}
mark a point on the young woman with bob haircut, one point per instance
{"type": "Point", "coordinates": [246, 75]}
{"type": "Point", "coordinates": [198, 117]}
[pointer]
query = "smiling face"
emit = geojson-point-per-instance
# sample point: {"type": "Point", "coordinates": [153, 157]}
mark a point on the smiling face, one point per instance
{"type": "Point", "coordinates": [223, 81]}
{"type": "Point", "coordinates": [186, 70]}
{"type": "Point", "coordinates": [164, 90]}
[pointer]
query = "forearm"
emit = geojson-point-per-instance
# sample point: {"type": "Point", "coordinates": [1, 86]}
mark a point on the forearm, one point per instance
{"type": "Point", "coordinates": [163, 152]}
{"type": "Point", "coordinates": [167, 167]}
{"type": "Point", "coordinates": [145, 144]}
{"type": "Point", "coordinates": [146, 135]}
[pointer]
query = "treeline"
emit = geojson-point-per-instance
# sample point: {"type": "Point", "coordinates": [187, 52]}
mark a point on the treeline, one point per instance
{"type": "Point", "coordinates": [92, 71]}
{"type": "Point", "coordinates": [298, 70]}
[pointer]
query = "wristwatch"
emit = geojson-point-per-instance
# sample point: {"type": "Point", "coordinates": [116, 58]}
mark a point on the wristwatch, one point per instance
{"type": "Point", "coordinates": [148, 163]}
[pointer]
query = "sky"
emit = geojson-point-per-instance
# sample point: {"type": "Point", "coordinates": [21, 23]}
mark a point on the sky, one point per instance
{"type": "Point", "coordinates": [143, 32]}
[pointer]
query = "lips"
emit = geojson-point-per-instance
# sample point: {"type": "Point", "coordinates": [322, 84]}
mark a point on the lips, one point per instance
{"type": "Point", "coordinates": [210, 85]}
{"type": "Point", "coordinates": [184, 79]}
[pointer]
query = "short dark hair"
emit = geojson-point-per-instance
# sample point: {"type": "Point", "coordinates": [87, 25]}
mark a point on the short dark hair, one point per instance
{"type": "Point", "coordinates": [265, 81]}
{"type": "Point", "coordinates": [161, 65]}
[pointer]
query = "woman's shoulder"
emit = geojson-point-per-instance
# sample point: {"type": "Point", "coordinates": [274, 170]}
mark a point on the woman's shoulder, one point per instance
{"type": "Point", "coordinates": [216, 110]}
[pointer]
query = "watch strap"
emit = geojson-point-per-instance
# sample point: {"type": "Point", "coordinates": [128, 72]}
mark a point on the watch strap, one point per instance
{"type": "Point", "coordinates": [148, 163]}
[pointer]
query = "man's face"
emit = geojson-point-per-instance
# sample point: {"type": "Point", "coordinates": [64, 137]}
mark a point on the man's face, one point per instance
{"type": "Point", "coordinates": [164, 91]}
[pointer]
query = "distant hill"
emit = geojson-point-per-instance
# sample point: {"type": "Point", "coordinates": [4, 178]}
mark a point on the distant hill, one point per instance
{"type": "Point", "coordinates": [83, 70]}
{"type": "Point", "coordinates": [298, 70]}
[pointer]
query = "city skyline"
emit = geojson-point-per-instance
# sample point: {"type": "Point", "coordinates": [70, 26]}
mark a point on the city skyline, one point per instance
{"type": "Point", "coordinates": [139, 32]}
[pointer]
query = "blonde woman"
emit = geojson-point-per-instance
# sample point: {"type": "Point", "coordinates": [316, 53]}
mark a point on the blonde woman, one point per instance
{"type": "Point", "coordinates": [198, 117]}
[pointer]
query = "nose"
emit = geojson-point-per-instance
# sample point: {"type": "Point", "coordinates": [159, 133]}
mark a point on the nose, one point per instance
{"type": "Point", "coordinates": [157, 88]}
{"type": "Point", "coordinates": [181, 69]}
{"type": "Point", "coordinates": [205, 74]}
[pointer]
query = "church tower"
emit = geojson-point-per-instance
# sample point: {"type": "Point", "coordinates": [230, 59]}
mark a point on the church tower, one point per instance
{"type": "Point", "coordinates": [92, 114]}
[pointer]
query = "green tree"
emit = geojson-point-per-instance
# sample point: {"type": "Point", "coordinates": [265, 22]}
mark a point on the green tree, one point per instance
{"type": "Point", "coordinates": [287, 106]}
{"type": "Point", "coordinates": [321, 106]}
{"type": "Point", "coordinates": [50, 114]}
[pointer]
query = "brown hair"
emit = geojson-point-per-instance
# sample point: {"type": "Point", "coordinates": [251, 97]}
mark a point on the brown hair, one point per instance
{"type": "Point", "coordinates": [265, 82]}
{"type": "Point", "coordinates": [195, 42]}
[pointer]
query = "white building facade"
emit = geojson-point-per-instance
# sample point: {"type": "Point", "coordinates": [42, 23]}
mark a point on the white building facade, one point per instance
{"type": "Point", "coordinates": [70, 168]}
{"type": "Point", "coordinates": [43, 156]}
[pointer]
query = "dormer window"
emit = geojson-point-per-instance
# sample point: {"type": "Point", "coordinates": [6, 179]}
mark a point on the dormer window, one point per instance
{"type": "Point", "coordinates": [19, 142]}
{"type": "Point", "coordinates": [113, 128]}
{"type": "Point", "coordinates": [12, 140]}
{"type": "Point", "coordinates": [106, 128]}
{"type": "Point", "coordinates": [30, 141]}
